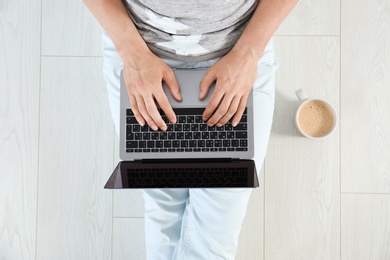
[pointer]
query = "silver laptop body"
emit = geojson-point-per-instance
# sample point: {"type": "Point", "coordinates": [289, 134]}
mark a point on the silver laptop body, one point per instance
{"type": "Point", "coordinates": [188, 80]}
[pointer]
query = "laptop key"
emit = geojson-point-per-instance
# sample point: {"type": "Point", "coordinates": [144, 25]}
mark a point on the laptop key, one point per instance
{"type": "Point", "coordinates": [201, 143]}
{"type": "Point", "coordinates": [196, 135]}
{"type": "Point", "coordinates": [132, 144]}
{"type": "Point", "coordinates": [198, 119]}
{"type": "Point", "coordinates": [178, 127]}
{"type": "Point", "coordinates": [194, 127]}
{"type": "Point", "coordinates": [222, 135]}
{"type": "Point", "coordinates": [171, 135]}
{"type": "Point", "coordinates": [163, 135]}
{"type": "Point", "coordinates": [228, 127]}
{"type": "Point", "coordinates": [203, 127]}
{"type": "Point", "coordinates": [130, 120]}
{"type": "Point", "coordinates": [182, 119]}
{"type": "Point", "coordinates": [218, 143]}
{"type": "Point", "coordinates": [179, 135]}
{"type": "Point", "coordinates": [188, 135]}
{"type": "Point", "coordinates": [136, 128]}
{"type": "Point", "coordinates": [142, 144]}
{"type": "Point", "coordinates": [167, 144]}
{"type": "Point", "coordinates": [186, 127]}
{"type": "Point", "coordinates": [243, 143]}
{"type": "Point", "coordinates": [241, 127]}
{"type": "Point", "coordinates": [230, 135]}
{"type": "Point", "coordinates": [129, 112]}
{"type": "Point", "coordinates": [145, 128]}
{"type": "Point", "coordinates": [240, 135]}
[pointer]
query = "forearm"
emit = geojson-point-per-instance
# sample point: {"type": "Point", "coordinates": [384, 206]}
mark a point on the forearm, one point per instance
{"type": "Point", "coordinates": [113, 17]}
{"type": "Point", "coordinates": [266, 19]}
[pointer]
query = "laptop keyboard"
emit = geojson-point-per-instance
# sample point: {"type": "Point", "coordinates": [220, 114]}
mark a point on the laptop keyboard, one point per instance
{"type": "Point", "coordinates": [189, 134]}
{"type": "Point", "coordinates": [187, 177]}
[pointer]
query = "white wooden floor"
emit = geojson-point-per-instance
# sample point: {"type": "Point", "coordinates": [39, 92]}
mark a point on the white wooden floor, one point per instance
{"type": "Point", "coordinates": [327, 199]}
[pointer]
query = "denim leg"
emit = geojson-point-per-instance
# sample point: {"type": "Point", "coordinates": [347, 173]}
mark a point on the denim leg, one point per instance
{"type": "Point", "coordinates": [164, 210]}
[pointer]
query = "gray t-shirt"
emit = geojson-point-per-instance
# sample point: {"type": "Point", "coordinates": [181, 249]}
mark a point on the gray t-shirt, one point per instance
{"type": "Point", "coordinates": [190, 30]}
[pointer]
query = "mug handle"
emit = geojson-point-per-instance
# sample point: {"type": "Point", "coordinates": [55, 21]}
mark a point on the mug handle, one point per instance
{"type": "Point", "coordinates": [301, 95]}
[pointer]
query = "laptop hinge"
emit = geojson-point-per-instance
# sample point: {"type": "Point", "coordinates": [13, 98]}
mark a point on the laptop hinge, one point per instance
{"type": "Point", "coordinates": [185, 160]}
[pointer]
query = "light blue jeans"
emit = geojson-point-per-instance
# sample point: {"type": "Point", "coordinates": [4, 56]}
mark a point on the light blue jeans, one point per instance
{"type": "Point", "coordinates": [198, 223]}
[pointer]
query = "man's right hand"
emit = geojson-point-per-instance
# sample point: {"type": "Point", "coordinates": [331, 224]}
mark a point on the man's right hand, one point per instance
{"type": "Point", "coordinates": [143, 76]}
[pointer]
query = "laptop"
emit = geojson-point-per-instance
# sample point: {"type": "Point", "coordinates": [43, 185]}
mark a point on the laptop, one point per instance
{"type": "Point", "coordinates": [189, 154]}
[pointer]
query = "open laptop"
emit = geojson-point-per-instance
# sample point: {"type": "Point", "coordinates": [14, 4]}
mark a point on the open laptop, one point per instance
{"type": "Point", "coordinates": [189, 154]}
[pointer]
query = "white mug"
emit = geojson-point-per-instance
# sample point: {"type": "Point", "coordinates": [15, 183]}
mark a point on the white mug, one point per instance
{"type": "Point", "coordinates": [314, 118]}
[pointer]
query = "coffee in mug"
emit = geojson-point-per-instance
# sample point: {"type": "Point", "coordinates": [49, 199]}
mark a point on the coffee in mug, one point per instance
{"type": "Point", "coordinates": [314, 118]}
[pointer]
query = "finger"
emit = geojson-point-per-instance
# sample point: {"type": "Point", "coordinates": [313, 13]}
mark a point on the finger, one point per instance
{"type": "Point", "coordinates": [206, 83]}
{"type": "Point", "coordinates": [231, 111]}
{"type": "Point", "coordinates": [221, 110]}
{"type": "Point", "coordinates": [240, 110]}
{"type": "Point", "coordinates": [172, 84]}
{"type": "Point", "coordinates": [154, 114]}
{"type": "Point", "coordinates": [144, 112]}
{"type": "Point", "coordinates": [213, 104]}
{"type": "Point", "coordinates": [163, 102]}
{"type": "Point", "coordinates": [134, 108]}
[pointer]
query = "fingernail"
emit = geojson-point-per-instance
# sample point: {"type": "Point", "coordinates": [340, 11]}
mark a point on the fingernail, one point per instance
{"type": "Point", "coordinates": [219, 124]}
{"type": "Point", "coordinates": [210, 124]}
{"type": "Point", "coordinates": [164, 128]}
{"type": "Point", "coordinates": [155, 128]}
{"type": "Point", "coordinates": [235, 123]}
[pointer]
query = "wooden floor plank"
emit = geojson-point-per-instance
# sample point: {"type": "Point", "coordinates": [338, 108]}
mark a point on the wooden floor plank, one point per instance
{"type": "Point", "coordinates": [302, 197]}
{"type": "Point", "coordinates": [76, 158]}
{"type": "Point", "coordinates": [365, 226]}
{"type": "Point", "coordinates": [19, 124]}
{"type": "Point", "coordinates": [69, 29]}
{"type": "Point", "coordinates": [365, 67]}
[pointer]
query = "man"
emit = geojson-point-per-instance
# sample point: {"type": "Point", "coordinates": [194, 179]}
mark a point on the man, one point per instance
{"type": "Point", "coordinates": [232, 38]}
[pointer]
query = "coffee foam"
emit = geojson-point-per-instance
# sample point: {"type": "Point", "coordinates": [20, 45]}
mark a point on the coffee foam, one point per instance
{"type": "Point", "coordinates": [315, 118]}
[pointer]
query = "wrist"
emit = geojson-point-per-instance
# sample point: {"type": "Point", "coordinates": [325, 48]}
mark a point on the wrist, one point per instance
{"type": "Point", "coordinates": [130, 51]}
{"type": "Point", "coordinates": [248, 50]}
